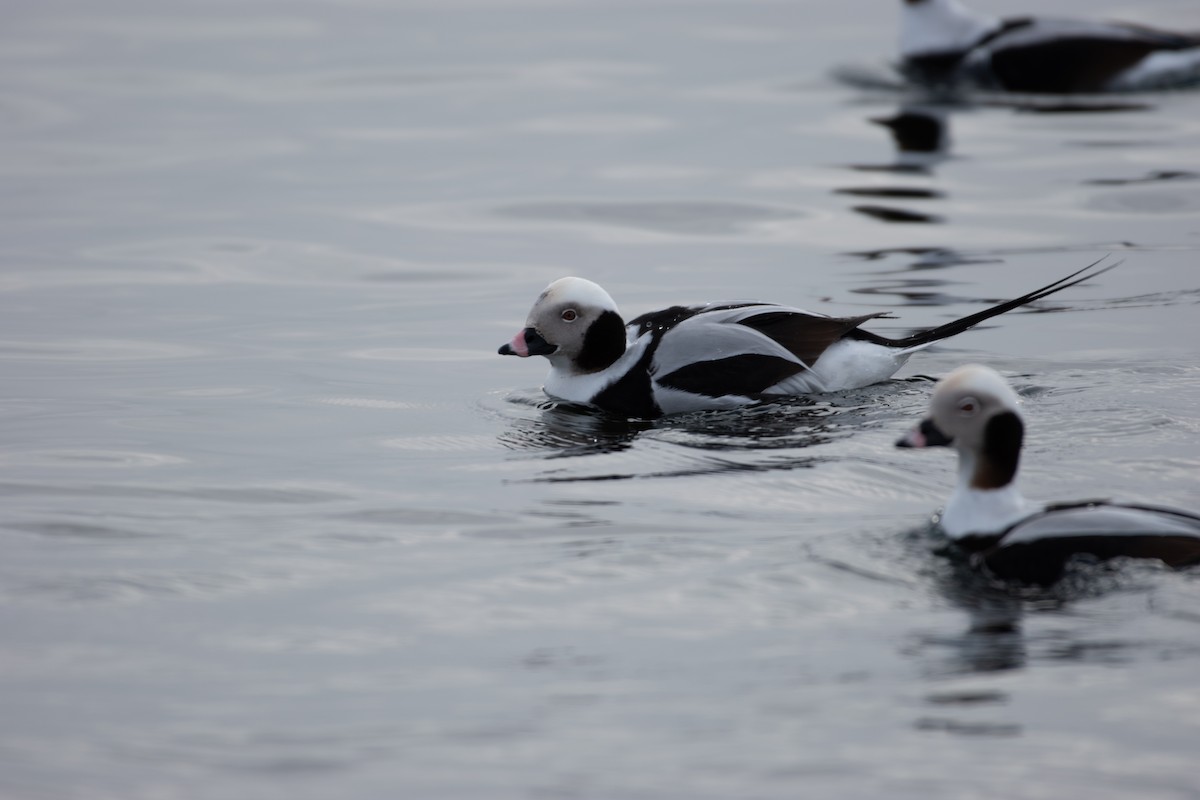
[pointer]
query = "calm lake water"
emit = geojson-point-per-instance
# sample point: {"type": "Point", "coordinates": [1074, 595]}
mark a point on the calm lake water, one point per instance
{"type": "Point", "coordinates": [278, 522]}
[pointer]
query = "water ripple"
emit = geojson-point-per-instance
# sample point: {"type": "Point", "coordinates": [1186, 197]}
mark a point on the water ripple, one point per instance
{"type": "Point", "coordinates": [87, 459]}
{"type": "Point", "coordinates": [78, 530]}
{"type": "Point", "coordinates": [680, 217]}
{"type": "Point", "coordinates": [607, 219]}
{"type": "Point", "coordinates": [94, 350]}
{"type": "Point", "coordinates": [228, 259]}
{"type": "Point", "coordinates": [251, 495]}
{"type": "Point", "coordinates": [446, 443]}
{"type": "Point", "coordinates": [772, 437]}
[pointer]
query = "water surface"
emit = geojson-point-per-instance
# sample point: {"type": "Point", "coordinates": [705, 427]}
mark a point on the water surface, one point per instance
{"type": "Point", "coordinates": [278, 522]}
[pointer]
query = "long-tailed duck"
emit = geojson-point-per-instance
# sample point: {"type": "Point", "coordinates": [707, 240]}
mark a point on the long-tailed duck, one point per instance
{"type": "Point", "coordinates": [691, 358]}
{"type": "Point", "coordinates": [976, 412]}
{"type": "Point", "coordinates": [943, 43]}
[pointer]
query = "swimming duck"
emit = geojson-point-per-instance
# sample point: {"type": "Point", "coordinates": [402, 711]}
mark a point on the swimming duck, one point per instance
{"type": "Point", "coordinates": [692, 358]}
{"type": "Point", "coordinates": [943, 43]}
{"type": "Point", "coordinates": [976, 412]}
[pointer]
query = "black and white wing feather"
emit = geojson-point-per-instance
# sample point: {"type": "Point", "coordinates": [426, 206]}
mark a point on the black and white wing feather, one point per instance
{"type": "Point", "coordinates": [747, 350]}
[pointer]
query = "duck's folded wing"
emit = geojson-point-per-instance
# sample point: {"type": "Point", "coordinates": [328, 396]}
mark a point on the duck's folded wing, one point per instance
{"type": "Point", "coordinates": [1104, 518]}
{"type": "Point", "coordinates": [745, 350]}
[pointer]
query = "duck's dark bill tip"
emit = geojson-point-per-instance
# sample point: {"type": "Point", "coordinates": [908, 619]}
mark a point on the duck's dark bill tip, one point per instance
{"type": "Point", "coordinates": [527, 342]}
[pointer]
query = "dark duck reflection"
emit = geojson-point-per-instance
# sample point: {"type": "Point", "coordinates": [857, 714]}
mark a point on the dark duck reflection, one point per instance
{"type": "Point", "coordinates": [975, 411]}
{"type": "Point", "coordinates": [922, 140]}
{"type": "Point", "coordinates": [563, 430]}
{"type": "Point", "coordinates": [921, 135]}
{"type": "Point", "coordinates": [766, 438]}
{"type": "Point", "coordinates": [993, 640]}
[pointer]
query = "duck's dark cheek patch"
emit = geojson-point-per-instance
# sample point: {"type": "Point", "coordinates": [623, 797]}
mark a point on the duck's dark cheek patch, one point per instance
{"type": "Point", "coordinates": [745, 375]}
{"type": "Point", "coordinates": [1001, 452]}
{"type": "Point", "coordinates": [603, 343]}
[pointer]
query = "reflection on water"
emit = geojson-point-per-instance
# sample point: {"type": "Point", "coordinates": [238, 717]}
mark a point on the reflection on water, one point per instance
{"type": "Point", "coordinates": [567, 431]}
{"type": "Point", "coordinates": [896, 192]}
{"type": "Point", "coordinates": [921, 137]}
{"type": "Point", "coordinates": [928, 257]}
{"type": "Point", "coordinates": [891, 214]}
{"type": "Point", "coordinates": [702, 443]}
{"type": "Point", "coordinates": [911, 291]}
{"type": "Point", "coordinates": [1151, 177]}
{"type": "Point", "coordinates": [770, 437]}
{"type": "Point", "coordinates": [1009, 628]}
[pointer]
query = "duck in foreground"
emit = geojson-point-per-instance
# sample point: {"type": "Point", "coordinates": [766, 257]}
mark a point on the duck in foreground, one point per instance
{"type": "Point", "coordinates": [943, 43]}
{"type": "Point", "coordinates": [693, 358]}
{"type": "Point", "coordinates": [974, 411]}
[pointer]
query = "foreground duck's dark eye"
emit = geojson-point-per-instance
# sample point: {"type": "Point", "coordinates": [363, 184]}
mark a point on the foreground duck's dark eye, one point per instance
{"type": "Point", "coordinates": [968, 406]}
{"type": "Point", "coordinates": [570, 315]}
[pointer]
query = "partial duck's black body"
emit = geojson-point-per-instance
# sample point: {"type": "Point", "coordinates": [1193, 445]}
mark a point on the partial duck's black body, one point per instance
{"type": "Point", "coordinates": [945, 45]}
{"type": "Point", "coordinates": [1037, 549]}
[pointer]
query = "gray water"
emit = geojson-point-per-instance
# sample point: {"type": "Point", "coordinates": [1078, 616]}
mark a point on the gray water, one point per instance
{"type": "Point", "coordinates": [278, 522]}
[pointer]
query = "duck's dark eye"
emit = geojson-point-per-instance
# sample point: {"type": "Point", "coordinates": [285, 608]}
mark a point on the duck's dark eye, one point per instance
{"type": "Point", "coordinates": [968, 406]}
{"type": "Point", "coordinates": [570, 315]}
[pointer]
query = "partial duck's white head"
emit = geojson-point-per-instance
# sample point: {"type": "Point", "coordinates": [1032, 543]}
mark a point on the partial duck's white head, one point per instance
{"type": "Point", "coordinates": [976, 412]}
{"type": "Point", "coordinates": [940, 26]}
{"type": "Point", "coordinates": [575, 324]}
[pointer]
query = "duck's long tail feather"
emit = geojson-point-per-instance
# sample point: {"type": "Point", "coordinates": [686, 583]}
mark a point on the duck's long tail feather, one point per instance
{"type": "Point", "coordinates": [927, 337]}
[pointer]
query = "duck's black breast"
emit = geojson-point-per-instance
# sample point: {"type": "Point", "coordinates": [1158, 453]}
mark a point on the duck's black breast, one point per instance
{"type": "Point", "coordinates": [1037, 549]}
{"type": "Point", "coordinates": [632, 394]}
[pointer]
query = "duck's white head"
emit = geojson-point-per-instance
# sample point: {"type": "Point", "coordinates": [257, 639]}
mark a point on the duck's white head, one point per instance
{"type": "Point", "coordinates": [976, 412]}
{"type": "Point", "coordinates": [575, 324]}
{"type": "Point", "coordinates": [940, 26]}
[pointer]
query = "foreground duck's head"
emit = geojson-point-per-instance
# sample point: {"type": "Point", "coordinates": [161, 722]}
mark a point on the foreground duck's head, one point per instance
{"type": "Point", "coordinates": [976, 412]}
{"type": "Point", "coordinates": [575, 324]}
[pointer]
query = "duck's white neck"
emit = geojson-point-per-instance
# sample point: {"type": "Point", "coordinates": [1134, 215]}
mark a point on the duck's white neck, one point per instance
{"type": "Point", "coordinates": [981, 511]}
{"type": "Point", "coordinates": [940, 26]}
{"type": "Point", "coordinates": [567, 382]}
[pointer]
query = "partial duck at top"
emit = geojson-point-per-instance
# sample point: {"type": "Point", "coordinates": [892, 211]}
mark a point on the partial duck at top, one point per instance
{"type": "Point", "coordinates": [724, 355]}
{"type": "Point", "coordinates": [974, 411]}
{"type": "Point", "coordinates": [944, 44]}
